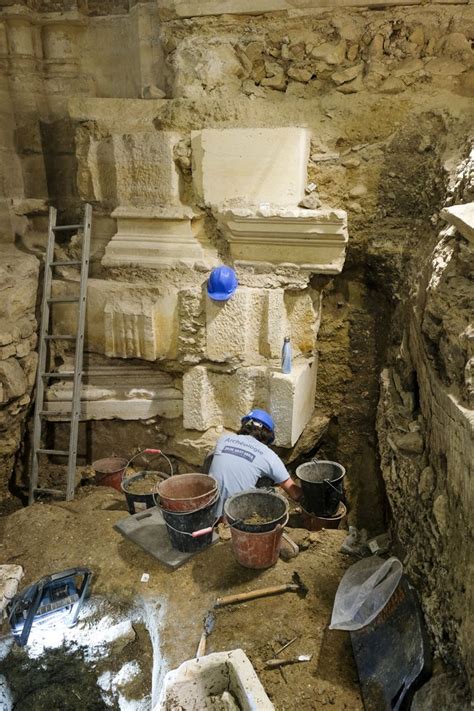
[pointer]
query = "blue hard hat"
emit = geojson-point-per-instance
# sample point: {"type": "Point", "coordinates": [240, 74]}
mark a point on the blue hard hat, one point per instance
{"type": "Point", "coordinates": [264, 418]}
{"type": "Point", "coordinates": [222, 283]}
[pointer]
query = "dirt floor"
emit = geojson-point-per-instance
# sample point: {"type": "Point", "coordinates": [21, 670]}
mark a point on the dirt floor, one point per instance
{"type": "Point", "coordinates": [49, 537]}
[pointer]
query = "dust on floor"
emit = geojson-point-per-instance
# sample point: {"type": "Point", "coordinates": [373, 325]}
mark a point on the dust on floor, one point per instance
{"type": "Point", "coordinates": [47, 537]}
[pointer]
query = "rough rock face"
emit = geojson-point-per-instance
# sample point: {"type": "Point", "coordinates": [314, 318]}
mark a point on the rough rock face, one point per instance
{"type": "Point", "coordinates": [425, 429]}
{"type": "Point", "coordinates": [18, 286]}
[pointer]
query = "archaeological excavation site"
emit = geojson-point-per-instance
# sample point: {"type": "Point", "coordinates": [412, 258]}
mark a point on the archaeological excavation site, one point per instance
{"type": "Point", "coordinates": [236, 355]}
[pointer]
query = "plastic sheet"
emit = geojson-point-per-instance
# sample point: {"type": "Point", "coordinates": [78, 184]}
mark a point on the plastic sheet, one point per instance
{"type": "Point", "coordinates": [364, 591]}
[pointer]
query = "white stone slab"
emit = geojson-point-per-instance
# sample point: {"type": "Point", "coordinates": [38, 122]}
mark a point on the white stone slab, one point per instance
{"type": "Point", "coordinates": [315, 240]}
{"type": "Point", "coordinates": [462, 217]}
{"type": "Point", "coordinates": [123, 393]}
{"type": "Point", "coordinates": [250, 166]}
{"type": "Point", "coordinates": [292, 400]}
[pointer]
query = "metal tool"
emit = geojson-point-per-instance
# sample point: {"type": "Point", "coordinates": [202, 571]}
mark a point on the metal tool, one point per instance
{"type": "Point", "coordinates": [52, 600]}
{"type": "Point", "coordinates": [45, 338]}
{"type": "Point", "coordinates": [209, 622]}
{"type": "Point", "coordinates": [296, 586]}
{"type": "Point", "coordinates": [277, 663]}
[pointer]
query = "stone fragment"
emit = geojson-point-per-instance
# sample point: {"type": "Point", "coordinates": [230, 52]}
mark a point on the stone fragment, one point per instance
{"type": "Point", "coordinates": [352, 52]}
{"type": "Point", "coordinates": [358, 191]}
{"type": "Point", "coordinates": [417, 36]}
{"type": "Point", "coordinates": [391, 85]}
{"type": "Point", "coordinates": [440, 512]}
{"type": "Point", "coordinates": [461, 217]}
{"type": "Point", "coordinates": [254, 50]}
{"type": "Point", "coordinates": [344, 75]}
{"type": "Point", "coordinates": [409, 442]}
{"type": "Point", "coordinates": [351, 87]}
{"type": "Point", "coordinates": [444, 67]}
{"type": "Point", "coordinates": [251, 89]}
{"type": "Point", "coordinates": [457, 44]}
{"type": "Point", "coordinates": [153, 92]}
{"type": "Point", "coordinates": [13, 379]}
{"type": "Point", "coordinates": [350, 162]}
{"type": "Point", "coordinates": [298, 74]}
{"type": "Point", "coordinates": [310, 437]}
{"type": "Point", "coordinates": [408, 66]}
{"type": "Point", "coordinates": [466, 83]}
{"type": "Point", "coordinates": [330, 52]}
{"type": "Point", "coordinates": [311, 201]}
{"type": "Point", "coordinates": [275, 78]}
{"type": "Point", "coordinates": [426, 483]}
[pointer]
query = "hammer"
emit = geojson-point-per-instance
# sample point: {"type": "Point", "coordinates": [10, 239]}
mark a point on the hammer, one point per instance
{"type": "Point", "coordinates": [296, 586]}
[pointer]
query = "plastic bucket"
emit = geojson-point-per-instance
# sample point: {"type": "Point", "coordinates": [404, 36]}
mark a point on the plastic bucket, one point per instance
{"type": "Point", "coordinates": [133, 498]}
{"type": "Point", "coordinates": [187, 492]}
{"type": "Point", "coordinates": [271, 508]}
{"type": "Point", "coordinates": [258, 550]}
{"type": "Point", "coordinates": [182, 524]}
{"type": "Point", "coordinates": [317, 523]}
{"type": "Point", "coordinates": [109, 471]}
{"type": "Point", "coordinates": [323, 488]}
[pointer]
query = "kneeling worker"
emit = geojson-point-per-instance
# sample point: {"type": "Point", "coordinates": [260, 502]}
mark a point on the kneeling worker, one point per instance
{"type": "Point", "coordinates": [240, 460]}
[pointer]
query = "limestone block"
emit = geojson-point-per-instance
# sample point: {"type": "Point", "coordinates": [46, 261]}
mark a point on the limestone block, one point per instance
{"type": "Point", "coordinates": [136, 168]}
{"type": "Point", "coordinates": [124, 393]}
{"type": "Point", "coordinates": [462, 217]}
{"type": "Point", "coordinates": [18, 282]}
{"type": "Point", "coordinates": [244, 166]}
{"type": "Point", "coordinates": [158, 237]}
{"type": "Point", "coordinates": [123, 320]}
{"type": "Point", "coordinates": [315, 240]}
{"type": "Point", "coordinates": [212, 398]}
{"type": "Point", "coordinates": [250, 327]}
{"type": "Point", "coordinates": [12, 379]}
{"type": "Point", "coordinates": [292, 401]}
{"type": "Point", "coordinates": [146, 172]}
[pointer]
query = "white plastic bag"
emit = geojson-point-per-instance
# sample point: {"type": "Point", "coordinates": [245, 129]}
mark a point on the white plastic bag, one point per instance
{"type": "Point", "coordinates": [364, 591]}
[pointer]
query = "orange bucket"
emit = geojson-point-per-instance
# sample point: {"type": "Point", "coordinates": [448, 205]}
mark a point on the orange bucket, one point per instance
{"type": "Point", "coordinates": [109, 471]}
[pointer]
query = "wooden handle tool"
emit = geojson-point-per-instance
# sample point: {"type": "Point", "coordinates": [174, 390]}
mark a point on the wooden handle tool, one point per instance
{"type": "Point", "coordinates": [254, 594]}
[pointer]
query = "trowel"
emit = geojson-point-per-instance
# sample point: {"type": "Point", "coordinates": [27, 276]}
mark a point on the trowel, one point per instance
{"type": "Point", "coordinates": [209, 622]}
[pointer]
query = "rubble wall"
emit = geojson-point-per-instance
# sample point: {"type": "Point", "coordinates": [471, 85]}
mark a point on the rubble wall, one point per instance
{"type": "Point", "coordinates": [425, 428]}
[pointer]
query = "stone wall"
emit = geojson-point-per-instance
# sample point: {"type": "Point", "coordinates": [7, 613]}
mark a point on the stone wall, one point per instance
{"type": "Point", "coordinates": [425, 428]}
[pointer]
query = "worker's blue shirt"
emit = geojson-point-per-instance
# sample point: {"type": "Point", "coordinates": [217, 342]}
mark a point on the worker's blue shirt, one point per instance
{"type": "Point", "coordinates": [238, 463]}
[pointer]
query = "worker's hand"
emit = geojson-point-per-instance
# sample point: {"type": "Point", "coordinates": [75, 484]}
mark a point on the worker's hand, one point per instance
{"type": "Point", "coordinates": [291, 489]}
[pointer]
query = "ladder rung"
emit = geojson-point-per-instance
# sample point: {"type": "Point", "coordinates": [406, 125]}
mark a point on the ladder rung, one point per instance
{"type": "Point", "coordinates": [63, 299]}
{"type": "Point", "coordinates": [67, 263]}
{"type": "Point", "coordinates": [65, 228]}
{"type": "Point", "coordinates": [67, 374]}
{"type": "Point", "coordinates": [59, 452]}
{"type": "Point", "coordinates": [54, 492]}
{"type": "Point", "coordinates": [59, 337]}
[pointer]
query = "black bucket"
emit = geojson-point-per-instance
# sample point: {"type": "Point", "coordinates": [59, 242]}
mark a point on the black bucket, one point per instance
{"type": "Point", "coordinates": [270, 507]}
{"type": "Point", "coordinates": [181, 526]}
{"type": "Point", "coordinates": [323, 486]}
{"type": "Point", "coordinates": [133, 498]}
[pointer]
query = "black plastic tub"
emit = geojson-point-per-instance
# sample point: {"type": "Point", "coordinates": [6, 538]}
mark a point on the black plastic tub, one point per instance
{"type": "Point", "coordinates": [181, 526]}
{"type": "Point", "coordinates": [271, 507]}
{"type": "Point", "coordinates": [149, 499]}
{"type": "Point", "coordinates": [323, 486]}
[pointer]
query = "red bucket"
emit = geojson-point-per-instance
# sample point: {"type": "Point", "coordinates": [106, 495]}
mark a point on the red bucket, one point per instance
{"type": "Point", "coordinates": [109, 471]}
{"type": "Point", "coordinates": [187, 492]}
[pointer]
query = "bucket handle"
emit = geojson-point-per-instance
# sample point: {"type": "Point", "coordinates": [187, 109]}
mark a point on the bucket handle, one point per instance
{"type": "Point", "coordinates": [203, 531]}
{"type": "Point", "coordinates": [196, 534]}
{"type": "Point", "coordinates": [326, 481]}
{"type": "Point", "coordinates": [148, 450]}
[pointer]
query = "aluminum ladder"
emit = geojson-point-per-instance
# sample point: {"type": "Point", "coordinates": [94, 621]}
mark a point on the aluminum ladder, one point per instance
{"type": "Point", "coordinates": [44, 340]}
